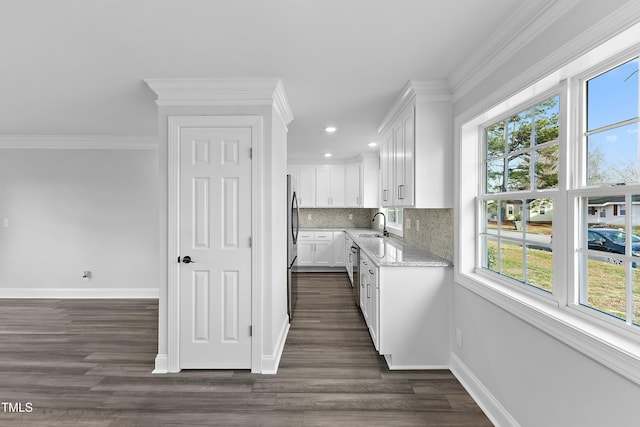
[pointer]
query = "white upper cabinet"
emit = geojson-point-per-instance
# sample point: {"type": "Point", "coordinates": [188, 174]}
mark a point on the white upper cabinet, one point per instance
{"type": "Point", "coordinates": [353, 186]}
{"type": "Point", "coordinates": [330, 187]}
{"type": "Point", "coordinates": [416, 158]}
{"type": "Point", "coordinates": [386, 169]}
{"type": "Point", "coordinates": [306, 187]}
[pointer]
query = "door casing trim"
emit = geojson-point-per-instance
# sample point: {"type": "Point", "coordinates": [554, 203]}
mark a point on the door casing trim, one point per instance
{"type": "Point", "coordinates": [175, 123]}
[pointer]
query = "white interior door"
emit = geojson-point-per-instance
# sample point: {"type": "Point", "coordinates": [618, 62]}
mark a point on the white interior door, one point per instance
{"type": "Point", "coordinates": [215, 233]}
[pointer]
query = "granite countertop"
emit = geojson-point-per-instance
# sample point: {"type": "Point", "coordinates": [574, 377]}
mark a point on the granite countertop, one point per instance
{"type": "Point", "coordinates": [389, 251]}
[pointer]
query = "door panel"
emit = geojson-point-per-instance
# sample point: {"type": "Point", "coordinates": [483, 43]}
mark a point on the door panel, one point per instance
{"type": "Point", "coordinates": [215, 231]}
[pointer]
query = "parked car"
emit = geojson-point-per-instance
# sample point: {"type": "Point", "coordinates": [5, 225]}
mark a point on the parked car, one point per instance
{"type": "Point", "coordinates": [612, 241]}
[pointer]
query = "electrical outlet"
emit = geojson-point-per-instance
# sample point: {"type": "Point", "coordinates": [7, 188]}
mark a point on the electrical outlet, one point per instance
{"type": "Point", "coordinates": [417, 225]}
{"type": "Point", "coordinates": [350, 217]}
{"type": "Point", "coordinates": [459, 337]}
{"type": "Point", "coordinates": [408, 222]}
{"type": "Point", "coordinates": [86, 275]}
{"type": "Point", "coordinates": [309, 217]}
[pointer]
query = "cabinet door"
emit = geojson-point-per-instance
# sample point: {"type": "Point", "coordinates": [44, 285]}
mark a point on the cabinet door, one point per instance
{"type": "Point", "coordinates": [338, 183]}
{"type": "Point", "coordinates": [306, 187]}
{"type": "Point", "coordinates": [353, 186]}
{"type": "Point", "coordinates": [339, 244]}
{"type": "Point", "coordinates": [363, 294]}
{"type": "Point", "coordinates": [323, 253]}
{"type": "Point", "coordinates": [404, 135]}
{"type": "Point", "coordinates": [305, 253]}
{"type": "Point", "coordinates": [374, 312]}
{"type": "Point", "coordinates": [386, 166]}
{"type": "Point", "coordinates": [323, 187]}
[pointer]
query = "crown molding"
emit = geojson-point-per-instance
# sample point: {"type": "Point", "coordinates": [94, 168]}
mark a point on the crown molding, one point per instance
{"type": "Point", "coordinates": [524, 25]}
{"type": "Point", "coordinates": [218, 92]}
{"type": "Point", "coordinates": [79, 142]}
{"type": "Point", "coordinates": [430, 91]}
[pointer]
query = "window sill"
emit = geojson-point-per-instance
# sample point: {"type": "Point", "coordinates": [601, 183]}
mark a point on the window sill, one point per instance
{"type": "Point", "coordinates": [617, 352]}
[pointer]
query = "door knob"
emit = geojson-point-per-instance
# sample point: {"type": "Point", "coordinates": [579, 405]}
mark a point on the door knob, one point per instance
{"type": "Point", "coordinates": [187, 260]}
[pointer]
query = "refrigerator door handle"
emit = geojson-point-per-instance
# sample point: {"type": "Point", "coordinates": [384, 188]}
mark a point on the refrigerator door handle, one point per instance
{"type": "Point", "coordinates": [295, 226]}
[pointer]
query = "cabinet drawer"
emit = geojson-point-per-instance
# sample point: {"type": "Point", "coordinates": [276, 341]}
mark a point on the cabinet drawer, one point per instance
{"type": "Point", "coordinates": [306, 236]}
{"type": "Point", "coordinates": [323, 235]}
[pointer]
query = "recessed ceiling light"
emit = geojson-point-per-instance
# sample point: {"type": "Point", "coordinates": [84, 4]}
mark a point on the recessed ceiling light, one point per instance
{"type": "Point", "coordinates": [330, 129]}
{"type": "Point", "coordinates": [327, 154]}
{"type": "Point", "coordinates": [372, 144]}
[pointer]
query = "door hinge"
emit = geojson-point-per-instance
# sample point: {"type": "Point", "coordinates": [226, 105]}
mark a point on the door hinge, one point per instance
{"type": "Point", "coordinates": [251, 153]}
{"type": "Point", "coordinates": [250, 330]}
{"type": "Point", "coordinates": [250, 242]}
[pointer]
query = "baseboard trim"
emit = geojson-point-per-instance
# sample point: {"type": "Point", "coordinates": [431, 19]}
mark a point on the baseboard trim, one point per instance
{"type": "Point", "coordinates": [271, 362]}
{"type": "Point", "coordinates": [75, 293]}
{"type": "Point", "coordinates": [497, 413]}
{"type": "Point", "coordinates": [162, 364]}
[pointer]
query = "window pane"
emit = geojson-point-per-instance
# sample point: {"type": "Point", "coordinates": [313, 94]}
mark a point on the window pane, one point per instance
{"type": "Point", "coordinates": [495, 140]}
{"type": "Point", "coordinates": [511, 260]}
{"type": "Point", "coordinates": [519, 131]}
{"type": "Point", "coordinates": [605, 286]}
{"type": "Point", "coordinates": [391, 213]}
{"type": "Point", "coordinates": [547, 116]}
{"type": "Point", "coordinates": [399, 215]}
{"type": "Point", "coordinates": [539, 217]}
{"type": "Point", "coordinates": [490, 250]}
{"type": "Point", "coordinates": [518, 173]}
{"type": "Point", "coordinates": [495, 176]}
{"type": "Point", "coordinates": [612, 97]}
{"type": "Point", "coordinates": [612, 156]}
{"type": "Point", "coordinates": [511, 218]}
{"type": "Point", "coordinates": [540, 267]}
{"type": "Point", "coordinates": [604, 231]}
{"type": "Point", "coordinates": [491, 217]}
{"type": "Point", "coordinates": [636, 295]}
{"type": "Point", "coordinates": [546, 167]}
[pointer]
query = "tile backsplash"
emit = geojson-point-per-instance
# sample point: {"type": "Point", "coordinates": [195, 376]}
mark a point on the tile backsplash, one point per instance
{"type": "Point", "coordinates": [435, 234]}
{"type": "Point", "coordinates": [436, 230]}
{"type": "Point", "coordinates": [338, 218]}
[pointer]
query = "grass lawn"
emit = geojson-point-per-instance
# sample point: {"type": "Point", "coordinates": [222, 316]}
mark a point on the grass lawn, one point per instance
{"type": "Point", "coordinates": [606, 281]}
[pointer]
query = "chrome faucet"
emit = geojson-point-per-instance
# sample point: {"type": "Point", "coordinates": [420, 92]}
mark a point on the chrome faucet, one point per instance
{"type": "Point", "coordinates": [385, 233]}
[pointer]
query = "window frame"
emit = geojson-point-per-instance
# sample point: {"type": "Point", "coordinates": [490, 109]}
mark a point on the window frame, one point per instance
{"type": "Point", "coordinates": [579, 189]}
{"type": "Point", "coordinates": [560, 91]}
{"type": "Point", "coordinates": [395, 227]}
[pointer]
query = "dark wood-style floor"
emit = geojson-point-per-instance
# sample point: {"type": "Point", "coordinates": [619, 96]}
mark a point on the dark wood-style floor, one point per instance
{"type": "Point", "coordinates": [88, 363]}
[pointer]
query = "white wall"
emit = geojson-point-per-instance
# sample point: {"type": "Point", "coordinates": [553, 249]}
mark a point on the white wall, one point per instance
{"type": "Point", "coordinates": [76, 210]}
{"type": "Point", "coordinates": [519, 372]}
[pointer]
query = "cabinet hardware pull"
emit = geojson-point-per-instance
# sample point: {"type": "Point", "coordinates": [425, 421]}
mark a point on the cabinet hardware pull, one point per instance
{"type": "Point", "coordinates": [370, 271]}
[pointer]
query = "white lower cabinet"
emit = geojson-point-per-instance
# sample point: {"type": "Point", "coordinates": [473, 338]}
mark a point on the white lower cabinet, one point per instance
{"type": "Point", "coordinates": [321, 249]}
{"type": "Point", "coordinates": [369, 291]}
{"type": "Point", "coordinates": [407, 312]}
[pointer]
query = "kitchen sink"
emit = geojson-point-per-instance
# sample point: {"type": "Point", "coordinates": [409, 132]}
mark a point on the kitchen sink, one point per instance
{"type": "Point", "coordinates": [370, 235]}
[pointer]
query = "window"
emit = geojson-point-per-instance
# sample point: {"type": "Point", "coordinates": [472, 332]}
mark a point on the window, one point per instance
{"type": "Point", "coordinates": [583, 285]}
{"type": "Point", "coordinates": [520, 182]}
{"type": "Point", "coordinates": [609, 278]}
{"type": "Point", "coordinates": [394, 220]}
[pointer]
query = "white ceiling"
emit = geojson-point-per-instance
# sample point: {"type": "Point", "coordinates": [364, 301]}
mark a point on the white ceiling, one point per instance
{"type": "Point", "coordinates": [75, 67]}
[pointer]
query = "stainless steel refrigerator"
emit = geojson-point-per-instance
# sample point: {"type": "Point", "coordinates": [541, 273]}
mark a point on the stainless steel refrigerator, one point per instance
{"type": "Point", "coordinates": [292, 245]}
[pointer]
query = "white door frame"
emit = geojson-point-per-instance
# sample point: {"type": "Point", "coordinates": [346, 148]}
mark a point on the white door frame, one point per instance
{"type": "Point", "coordinates": [175, 123]}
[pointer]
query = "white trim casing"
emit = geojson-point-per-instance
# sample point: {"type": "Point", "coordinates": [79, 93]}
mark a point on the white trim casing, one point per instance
{"type": "Point", "coordinates": [491, 406]}
{"type": "Point", "coordinates": [79, 142]}
{"type": "Point", "coordinates": [78, 293]}
{"type": "Point", "coordinates": [223, 92]}
{"type": "Point", "coordinates": [175, 123]}
{"type": "Point", "coordinates": [270, 362]}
